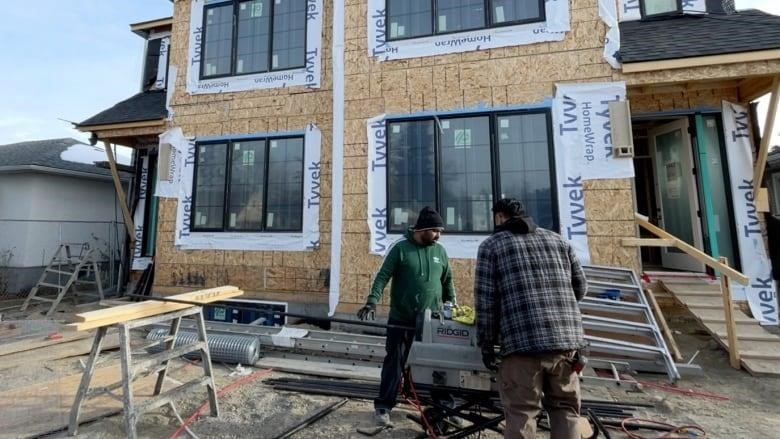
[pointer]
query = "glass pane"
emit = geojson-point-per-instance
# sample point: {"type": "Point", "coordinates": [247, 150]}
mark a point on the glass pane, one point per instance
{"type": "Point", "coordinates": [458, 15]}
{"type": "Point", "coordinates": [466, 184]}
{"type": "Point", "coordinates": [674, 184]}
{"type": "Point", "coordinates": [209, 203]}
{"type": "Point", "coordinates": [253, 33]}
{"type": "Point", "coordinates": [715, 167]}
{"type": "Point", "coordinates": [525, 164]}
{"type": "Point", "coordinates": [285, 185]}
{"type": "Point", "coordinates": [411, 171]}
{"type": "Point", "coordinates": [660, 6]}
{"type": "Point", "coordinates": [247, 172]}
{"type": "Point", "coordinates": [289, 34]}
{"type": "Point", "coordinates": [408, 18]}
{"type": "Point", "coordinates": [507, 11]}
{"type": "Point", "coordinates": [218, 40]}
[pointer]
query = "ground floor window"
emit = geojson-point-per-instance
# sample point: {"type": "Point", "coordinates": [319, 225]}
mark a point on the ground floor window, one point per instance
{"type": "Point", "coordinates": [250, 185]}
{"type": "Point", "coordinates": [462, 164]}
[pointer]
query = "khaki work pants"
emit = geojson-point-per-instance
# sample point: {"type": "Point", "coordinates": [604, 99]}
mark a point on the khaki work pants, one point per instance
{"type": "Point", "coordinates": [528, 381]}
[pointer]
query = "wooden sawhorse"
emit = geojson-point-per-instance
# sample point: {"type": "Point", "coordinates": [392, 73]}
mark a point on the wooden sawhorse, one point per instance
{"type": "Point", "coordinates": [154, 363]}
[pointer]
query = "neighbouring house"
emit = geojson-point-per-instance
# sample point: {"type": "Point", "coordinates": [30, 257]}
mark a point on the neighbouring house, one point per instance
{"type": "Point", "coordinates": [137, 122]}
{"type": "Point", "coordinates": [52, 192]}
{"type": "Point", "coordinates": [303, 136]}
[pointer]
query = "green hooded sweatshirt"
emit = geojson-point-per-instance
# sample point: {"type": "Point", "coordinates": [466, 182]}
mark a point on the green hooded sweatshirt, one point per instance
{"type": "Point", "coordinates": [421, 279]}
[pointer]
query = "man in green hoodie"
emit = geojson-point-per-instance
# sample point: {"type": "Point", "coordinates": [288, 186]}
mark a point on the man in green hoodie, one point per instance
{"type": "Point", "coordinates": [422, 280]}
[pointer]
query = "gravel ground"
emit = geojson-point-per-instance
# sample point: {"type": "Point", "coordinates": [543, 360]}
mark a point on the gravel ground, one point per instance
{"type": "Point", "coordinates": [255, 410]}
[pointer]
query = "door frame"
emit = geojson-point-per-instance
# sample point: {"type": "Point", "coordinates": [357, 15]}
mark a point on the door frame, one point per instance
{"type": "Point", "coordinates": [671, 257]}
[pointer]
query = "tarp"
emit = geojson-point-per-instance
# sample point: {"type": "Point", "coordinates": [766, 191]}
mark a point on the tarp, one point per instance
{"type": "Point", "coordinates": [760, 293]}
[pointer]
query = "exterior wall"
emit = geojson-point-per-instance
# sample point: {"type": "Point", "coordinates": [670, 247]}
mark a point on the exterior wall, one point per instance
{"type": "Point", "coordinates": [40, 211]}
{"type": "Point", "coordinates": [494, 78]}
{"type": "Point", "coordinates": [288, 276]}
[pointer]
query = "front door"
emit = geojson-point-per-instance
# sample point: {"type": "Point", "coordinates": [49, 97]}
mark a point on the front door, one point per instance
{"type": "Point", "coordinates": [676, 194]}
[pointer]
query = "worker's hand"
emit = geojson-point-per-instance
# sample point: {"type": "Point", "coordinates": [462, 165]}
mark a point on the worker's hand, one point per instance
{"type": "Point", "coordinates": [489, 358]}
{"type": "Point", "coordinates": [367, 312]}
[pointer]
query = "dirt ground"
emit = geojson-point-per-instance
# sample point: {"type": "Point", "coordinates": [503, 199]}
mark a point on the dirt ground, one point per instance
{"type": "Point", "coordinates": [255, 410]}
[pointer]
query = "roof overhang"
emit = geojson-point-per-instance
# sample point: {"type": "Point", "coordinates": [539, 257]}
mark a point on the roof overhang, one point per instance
{"type": "Point", "coordinates": [125, 125]}
{"type": "Point", "coordinates": [20, 169]}
{"type": "Point", "coordinates": [144, 28]}
{"type": "Point", "coordinates": [699, 61]}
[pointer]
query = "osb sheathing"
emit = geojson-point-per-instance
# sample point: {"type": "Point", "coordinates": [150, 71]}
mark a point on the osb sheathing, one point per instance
{"type": "Point", "coordinates": [295, 276]}
{"type": "Point", "coordinates": [685, 100]}
{"type": "Point", "coordinates": [500, 77]}
{"type": "Point", "coordinates": [701, 73]}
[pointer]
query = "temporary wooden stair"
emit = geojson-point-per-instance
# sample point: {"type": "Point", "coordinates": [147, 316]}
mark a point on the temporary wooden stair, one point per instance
{"type": "Point", "coordinates": [72, 265]}
{"type": "Point", "coordinates": [758, 349]}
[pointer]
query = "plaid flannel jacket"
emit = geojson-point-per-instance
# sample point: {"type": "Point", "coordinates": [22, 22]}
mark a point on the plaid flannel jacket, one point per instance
{"type": "Point", "coordinates": [527, 287]}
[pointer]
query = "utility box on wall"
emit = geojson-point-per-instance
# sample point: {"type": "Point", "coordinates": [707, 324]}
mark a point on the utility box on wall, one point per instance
{"type": "Point", "coordinates": [248, 312]}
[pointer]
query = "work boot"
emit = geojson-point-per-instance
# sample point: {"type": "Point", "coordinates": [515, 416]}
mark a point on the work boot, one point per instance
{"type": "Point", "coordinates": [382, 417]}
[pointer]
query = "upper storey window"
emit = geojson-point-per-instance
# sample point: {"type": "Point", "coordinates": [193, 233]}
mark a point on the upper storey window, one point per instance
{"type": "Point", "coordinates": [243, 37]}
{"type": "Point", "coordinates": [416, 18]}
{"type": "Point", "coordinates": [660, 7]}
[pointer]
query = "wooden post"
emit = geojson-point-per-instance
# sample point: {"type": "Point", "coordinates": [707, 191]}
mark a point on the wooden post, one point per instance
{"type": "Point", "coordinates": [769, 126]}
{"type": "Point", "coordinates": [665, 330]}
{"type": "Point", "coordinates": [121, 193]}
{"type": "Point", "coordinates": [731, 328]}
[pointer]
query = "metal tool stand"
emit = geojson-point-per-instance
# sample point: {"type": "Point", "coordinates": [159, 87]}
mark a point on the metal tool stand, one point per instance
{"type": "Point", "coordinates": [480, 408]}
{"type": "Point", "coordinates": [149, 364]}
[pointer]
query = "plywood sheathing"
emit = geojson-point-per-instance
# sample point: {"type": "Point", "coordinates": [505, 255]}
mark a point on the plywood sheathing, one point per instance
{"type": "Point", "coordinates": [609, 211]}
{"type": "Point", "coordinates": [518, 75]}
{"type": "Point", "coordinates": [261, 274]}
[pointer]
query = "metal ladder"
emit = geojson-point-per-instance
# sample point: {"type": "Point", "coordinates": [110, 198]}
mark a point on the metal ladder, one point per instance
{"type": "Point", "coordinates": [80, 268]}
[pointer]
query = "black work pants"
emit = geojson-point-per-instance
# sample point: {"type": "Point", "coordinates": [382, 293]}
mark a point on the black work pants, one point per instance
{"type": "Point", "coordinates": [397, 345]}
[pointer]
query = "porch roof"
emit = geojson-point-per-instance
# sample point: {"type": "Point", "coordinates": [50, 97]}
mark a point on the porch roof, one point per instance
{"type": "Point", "coordinates": [686, 36]}
{"type": "Point", "coordinates": [144, 106]}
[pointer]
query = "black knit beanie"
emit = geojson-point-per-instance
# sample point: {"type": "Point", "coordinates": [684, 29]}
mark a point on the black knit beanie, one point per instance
{"type": "Point", "coordinates": [428, 219]}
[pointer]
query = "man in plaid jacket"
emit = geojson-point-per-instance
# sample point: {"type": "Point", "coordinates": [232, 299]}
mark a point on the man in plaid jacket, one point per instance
{"type": "Point", "coordinates": [527, 285]}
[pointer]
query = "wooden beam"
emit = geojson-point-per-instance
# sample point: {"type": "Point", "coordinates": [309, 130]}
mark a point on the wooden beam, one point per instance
{"type": "Point", "coordinates": [121, 195]}
{"type": "Point", "coordinates": [691, 250]}
{"type": "Point", "coordinates": [665, 330]}
{"type": "Point", "coordinates": [699, 61]}
{"type": "Point", "coordinates": [117, 126]}
{"type": "Point", "coordinates": [769, 127]}
{"type": "Point", "coordinates": [681, 87]}
{"type": "Point", "coordinates": [138, 310]}
{"type": "Point", "coordinates": [731, 328]}
{"type": "Point", "coordinates": [753, 88]}
{"type": "Point", "coordinates": [647, 242]}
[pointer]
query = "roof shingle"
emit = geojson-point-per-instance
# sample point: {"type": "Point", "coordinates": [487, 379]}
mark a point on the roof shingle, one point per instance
{"type": "Point", "coordinates": [148, 105]}
{"type": "Point", "coordinates": [685, 36]}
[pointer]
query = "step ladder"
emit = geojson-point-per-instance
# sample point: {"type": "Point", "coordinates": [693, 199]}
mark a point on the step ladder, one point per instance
{"type": "Point", "coordinates": [72, 265]}
{"type": "Point", "coordinates": [137, 364]}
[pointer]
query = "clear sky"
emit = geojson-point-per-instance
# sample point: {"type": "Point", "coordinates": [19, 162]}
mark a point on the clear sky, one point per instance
{"type": "Point", "coordinates": [70, 59]}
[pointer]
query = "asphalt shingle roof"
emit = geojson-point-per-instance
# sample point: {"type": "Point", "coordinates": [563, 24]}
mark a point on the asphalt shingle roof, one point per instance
{"type": "Point", "coordinates": [686, 36]}
{"type": "Point", "coordinates": [147, 105]}
{"type": "Point", "coordinates": [45, 153]}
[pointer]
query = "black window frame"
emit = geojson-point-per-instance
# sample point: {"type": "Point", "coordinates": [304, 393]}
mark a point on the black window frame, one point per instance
{"type": "Point", "coordinates": [495, 174]}
{"type": "Point", "coordinates": [226, 195]}
{"type": "Point", "coordinates": [644, 14]}
{"type": "Point", "coordinates": [487, 5]}
{"type": "Point", "coordinates": [234, 43]}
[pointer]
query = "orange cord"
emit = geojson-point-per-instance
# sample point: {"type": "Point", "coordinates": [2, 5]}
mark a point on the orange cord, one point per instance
{"type": "Point", "coordinates": [684, 391]}
{"type": "Point", "coordinates": [416, 404]}
{"type": "Point", "coordinates": [675, 432]}
{"type": "Point", "coordinates": [221, 392]}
